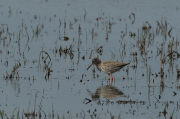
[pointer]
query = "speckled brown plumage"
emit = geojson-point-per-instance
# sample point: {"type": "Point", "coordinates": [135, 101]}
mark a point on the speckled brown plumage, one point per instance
{"type": "Point", "coordinates": [108, 66]}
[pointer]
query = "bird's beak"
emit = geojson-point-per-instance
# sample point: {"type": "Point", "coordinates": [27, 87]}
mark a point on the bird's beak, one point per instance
{"type": "Point", "coordinates": [89, 66]}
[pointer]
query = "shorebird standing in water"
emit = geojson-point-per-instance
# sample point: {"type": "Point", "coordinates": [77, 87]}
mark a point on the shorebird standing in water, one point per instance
{"type": "Point", "coordinates": [108, 66]}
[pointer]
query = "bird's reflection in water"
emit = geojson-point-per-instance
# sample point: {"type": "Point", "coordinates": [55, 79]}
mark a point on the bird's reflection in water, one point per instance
{"type": "Point", "coordinates": [109, 92]}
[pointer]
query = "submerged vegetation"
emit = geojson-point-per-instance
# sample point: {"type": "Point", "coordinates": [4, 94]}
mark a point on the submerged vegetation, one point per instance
{"type": "Point", "coordinates": [45, 52]}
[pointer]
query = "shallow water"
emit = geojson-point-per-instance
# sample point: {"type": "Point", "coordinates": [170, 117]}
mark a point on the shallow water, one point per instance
{"type": "Point", "coordinates": [46, 47]}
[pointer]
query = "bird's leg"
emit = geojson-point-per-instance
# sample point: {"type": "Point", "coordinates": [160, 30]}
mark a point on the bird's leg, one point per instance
{"type": "Point", "coordinates": [111, 77]}
{"type": "Point", "coordinates": [109, 82]}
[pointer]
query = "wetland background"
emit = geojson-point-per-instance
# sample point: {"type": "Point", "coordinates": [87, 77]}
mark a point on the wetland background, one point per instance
{"type": "Point", "coordinates": [46, 46]}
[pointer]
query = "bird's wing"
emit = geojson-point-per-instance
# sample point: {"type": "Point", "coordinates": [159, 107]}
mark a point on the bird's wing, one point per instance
{"type": "Point", "coordinates": [113, 66]}
{"type": "Point", "coordinates": [109, 63]}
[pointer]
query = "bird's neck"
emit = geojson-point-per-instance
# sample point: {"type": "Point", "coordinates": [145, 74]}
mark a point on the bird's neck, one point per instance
{"type": "Point", "coordinates": [98, 65]}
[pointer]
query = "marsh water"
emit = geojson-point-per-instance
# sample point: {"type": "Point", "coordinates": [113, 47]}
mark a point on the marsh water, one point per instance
{"type": "Point", "coordinates": [47, 45]}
